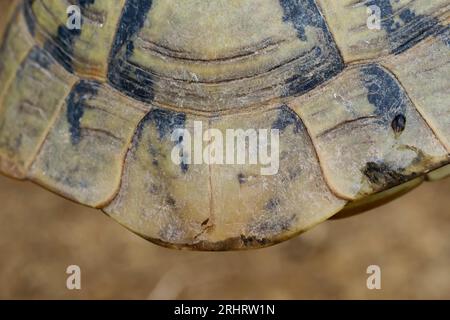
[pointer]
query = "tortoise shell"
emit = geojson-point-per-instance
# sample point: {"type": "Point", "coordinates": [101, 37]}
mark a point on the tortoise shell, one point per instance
{"type": "Point", "coordinates": [361, 114]}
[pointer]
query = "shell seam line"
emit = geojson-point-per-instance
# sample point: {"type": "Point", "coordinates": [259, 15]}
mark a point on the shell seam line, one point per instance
{"type": "Point", "coordinates": [49, 128]}
{"type": "Point", "coordinates": [210, 187]}
{"type": "Point", "coordinates": [127, 154]}
{"type": "Point", "coordinates": [339, 51]}
{"type": "Point", "coordinates": [319, 161]}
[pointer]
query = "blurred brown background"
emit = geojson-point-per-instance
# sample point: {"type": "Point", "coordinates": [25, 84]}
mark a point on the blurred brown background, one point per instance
{"type": "Point", "coordinates": [41, 234]}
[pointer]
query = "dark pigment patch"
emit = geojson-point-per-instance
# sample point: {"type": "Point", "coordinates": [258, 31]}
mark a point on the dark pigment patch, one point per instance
{"type": "Point", "coordinates": [85, 3]}
{"type": "Point", "coordinates": [165, 122]}
{"type": "Point", "coordinates": [292, 174]}
{"type": "Point", "coordinates": [40, 57]}
{"type": "Point", "coordinates": [69, 177]}
{"type": "Point", "coordinates": [132, 20]}
{"type": "Point", "coordinates": [302, 14]}
{"type": "Point", "coordinates": [307, 79]}
{"type": "Point", "coordinates": [241, 178]}
{"type": "Point", "coordinates": [270, 226]}
{"type": "Point", "coordinates": [444, 35]}
{"type": "Point", "coordinates": [154, 189]}
{"type": "Point", "coordinates": [384, 93]}
{"type": "Point", "coordinates": [272, 222]}
{"type": "Point", "coordinates": [251, 241]}
{"type": "Point", "coordinates": [272, 204]}
{"type": "Point", "coordinates": [122, 75]}
{"type": "Point", "coordinates": [406, 31]}
{"type": "Point", "coordinates": [30, 20]}
{"type": "Point", "coordinates": [399, 123]}
{"type": "Point", "coordinates": [76, 103]}
{"type": "Point", "coordinates": [324, 61]}
{"type": "Point", "coordinates": [287, 117]}
{"type": "Point", "coordinates": [381, 175]}
{"type": "Point", "coordinates": [184, 166]}
{"type": "Point", "coordinates": [61, 47]}
{"type": "Point", "coordinates": [170, 201]}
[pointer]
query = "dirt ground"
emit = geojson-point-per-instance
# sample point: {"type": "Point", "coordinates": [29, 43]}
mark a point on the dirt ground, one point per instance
{"type": "Point", "coordinates": [41, 234]}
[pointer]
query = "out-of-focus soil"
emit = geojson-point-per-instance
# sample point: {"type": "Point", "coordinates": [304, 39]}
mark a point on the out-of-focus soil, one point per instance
{"type": "Point", "coordinates": [41, 234]}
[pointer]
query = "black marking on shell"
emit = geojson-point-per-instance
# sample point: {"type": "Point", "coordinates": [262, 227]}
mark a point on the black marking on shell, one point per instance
{"type": "Point", "coordinates": [302, 14]}
{"type": "Point", "coordinates": [325, 60]}
{"type": "Point", "coordinates": [61, 47]}
{"type": "Point", "coordinates": [223, 245]}
{"type": "Point", "coordinates": [399, 123]}
{"type": "Point", "coordinates": [85, 3]}
{"type": "Point", "coordinates": [29, 18]}
{"type": "Point", "coordinates": [383, 176]}
{"type": "Point", "coordinates": [132, 20]}
{"type": "Point", "coordinates": [292, 174]}
{"type": "Point", "coordinates": [272, 204]}
{"type": "Point", "coordinates": [270, 225]}
{"type": "Point", "coordinates": [241, 178]}
{"type": "Point", "coordinates": [384, 93]}
{"type": "Point", "coordinates": [154, 188]}
{"type": "Point", "coordinates": [307, 78]}
{"type": "Point", "coordinates": [170, 201]}
{"type": "Point", "coordinates": [165, 122]}
{"type": "Point", "coordinates": [40, 57]}
{"type": "Point", "coordinates": [272, 222]}
{"type": "Point", "coordinates": [69, 177]}
{"type": "Point", "coordinates": [287, 117]}
{"type": "Point", "coordinates": [122, 75]}
{"type": "Point", "coordinates": [76, 103]}
{"type": "Point", "coordinates": [184, 166]}
{"type": "Point", "coordinates": [444, 35]}
{"type": "Point", "coordinates": [408, 30]}
{"type": "Point", "coordinates": [251, 241]}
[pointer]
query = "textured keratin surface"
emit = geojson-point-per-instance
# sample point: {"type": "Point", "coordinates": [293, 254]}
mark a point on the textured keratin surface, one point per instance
{"type": "Point", "coordinates": [91, 113]}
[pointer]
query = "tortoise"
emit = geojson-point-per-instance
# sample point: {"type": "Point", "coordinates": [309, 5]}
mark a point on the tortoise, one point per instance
{"type": "Point", "coordinates": [359, 115]}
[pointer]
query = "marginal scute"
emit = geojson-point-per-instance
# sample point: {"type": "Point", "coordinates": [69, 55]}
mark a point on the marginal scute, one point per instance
{"type": "Point", "coordinates": [14, 49]}
{"type": "Point", "coordinates": [232, 64]}
{"type": "Point", "coordinates": [424, 73]}
{"type": "Point", "coordinates": [350, 122]}
{"type": "Point", "coordinates": [157, 198]}
{"type": "Point", "coordinates": [83, 155]}
{"type": "Point", "coordinates": [403, 24]}
{"type": "Point", "coordinates": [28, 110]}
{"type": "Point", "coordinates": [265, 209]}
